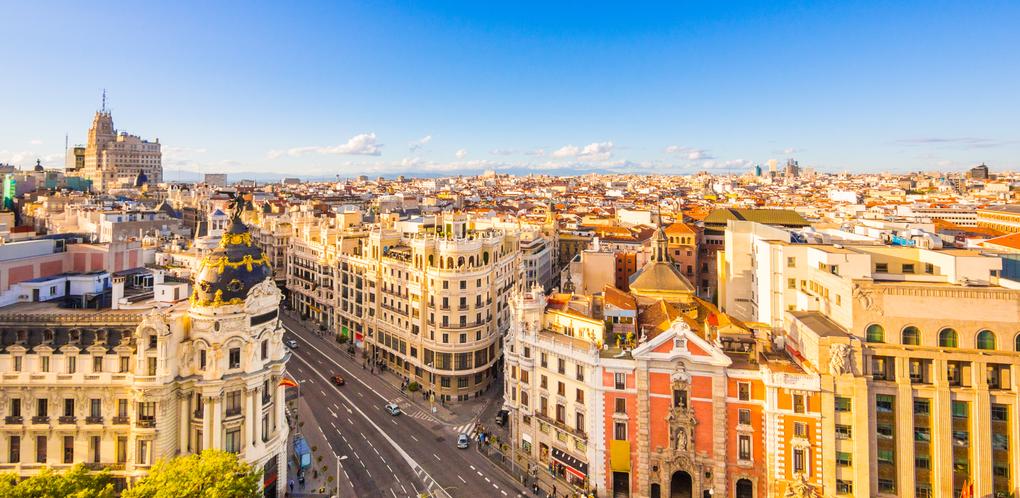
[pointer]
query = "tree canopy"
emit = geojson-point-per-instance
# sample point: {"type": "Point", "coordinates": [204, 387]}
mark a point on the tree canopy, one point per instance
{"type": "Point", "coordinates": [76, 482]}
{"type": "Point", "coordinates": [211, 474]}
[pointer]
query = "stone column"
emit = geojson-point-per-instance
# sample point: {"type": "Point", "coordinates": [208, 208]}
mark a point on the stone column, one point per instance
{"type": "Point", "coordinates": [215, 412]}
{"type": "Point", "coordinates": [904, 427]}
{"type": "Point", "coordinates": [941, 433]}
{"type": "Point", "coordinates": [980, 435]}
{"type": "Point", "coordinates": [250, 417]}
{"type": "Point", "coordinates": [207, 427]}
{"type": "Point", "coordinates": [281, 403]}
{"type": "Point", "coordinates": [185, 424]}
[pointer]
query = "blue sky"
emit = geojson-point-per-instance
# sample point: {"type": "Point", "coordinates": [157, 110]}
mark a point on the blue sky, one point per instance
{"type": "Point", "coordinates": [383, 88]}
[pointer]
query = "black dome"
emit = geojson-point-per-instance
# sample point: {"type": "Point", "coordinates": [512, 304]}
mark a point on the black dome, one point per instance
{"type": "Point", "coordinates": [141, 179]}
{"type": "Point", "coordinates": [228, 272]}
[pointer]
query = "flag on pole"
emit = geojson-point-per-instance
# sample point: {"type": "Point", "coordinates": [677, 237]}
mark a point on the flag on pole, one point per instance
{"type": "Point", "coordinates": [287, 382]}
{"type": "Point", "coordinates": [968, 489]}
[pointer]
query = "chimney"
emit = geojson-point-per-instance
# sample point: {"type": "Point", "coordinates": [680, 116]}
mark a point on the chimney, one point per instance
{"type": "Point", "coordinates": [118, 292]}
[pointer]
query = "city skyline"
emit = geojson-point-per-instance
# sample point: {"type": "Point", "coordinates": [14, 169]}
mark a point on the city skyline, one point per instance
{"type": "Point", "coordinates": [387, 89]}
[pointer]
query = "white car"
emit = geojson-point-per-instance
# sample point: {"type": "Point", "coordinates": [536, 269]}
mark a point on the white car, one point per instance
{"type": "Point", "coordinates": [393, 408]}
{"type": "Point", "coordinates": [292, 344]}
{"type": "Point", "coordinates": [463, 441]}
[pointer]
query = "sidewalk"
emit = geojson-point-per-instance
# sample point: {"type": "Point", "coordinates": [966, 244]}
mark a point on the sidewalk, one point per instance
{"type": "Point", "coordinates": [533, 474]}
{"type": "Point", "coordinates": [452, 414]}
{"type": "Point", "coordinates": [319, 483]}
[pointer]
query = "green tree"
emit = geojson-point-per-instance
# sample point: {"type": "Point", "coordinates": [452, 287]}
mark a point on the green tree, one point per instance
{"type": "Point", "coordinates": [76, 482]}
{"type": "Point", "coordinates": [212, 474]}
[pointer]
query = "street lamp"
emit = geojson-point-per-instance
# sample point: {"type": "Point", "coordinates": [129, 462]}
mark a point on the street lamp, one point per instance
{"type": "Point", "coordinates": [338, 460]}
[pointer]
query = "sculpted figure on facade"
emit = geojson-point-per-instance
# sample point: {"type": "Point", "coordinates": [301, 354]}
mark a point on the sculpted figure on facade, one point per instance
{"type": "Point", "coordinates": [840, 359]}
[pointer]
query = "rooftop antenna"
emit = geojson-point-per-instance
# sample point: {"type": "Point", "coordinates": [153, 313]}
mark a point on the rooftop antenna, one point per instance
{"type": "Point", "coordinates": [104, 101]}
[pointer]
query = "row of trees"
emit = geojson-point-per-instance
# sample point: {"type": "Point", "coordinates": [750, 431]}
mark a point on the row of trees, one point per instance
{"type": "Point", "coordinates": [212, 474]}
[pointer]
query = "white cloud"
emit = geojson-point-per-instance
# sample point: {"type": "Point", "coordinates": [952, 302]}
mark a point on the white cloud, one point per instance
{"type": "Point", "coordinates": [502, 152]}
{"type": "Point", "coordinates": [791, 150]}
{"type": "Point", "coordinates": [35, 141]}
{"type": "Point", "coordinates": [535, 152]}
{"type": "Point", "coordinates": [461, 154]}
{"type": "Point", "coordinates": [689, 153]}
{"type": "Point", "coordinates": [26, 158]}
{"type": "Point", "coordinates": [595, 151]}
{"type": "Point", "coordinates": [418, 144]}
{"type": "Point", "coordinates": [359, 145]}
{"type": "Point", "coordinates": [409, 162]}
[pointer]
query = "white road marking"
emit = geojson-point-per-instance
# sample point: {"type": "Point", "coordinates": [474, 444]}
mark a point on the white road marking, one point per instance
{"type": "Point", "coordinates": [394, 421]}
{"type": "Point", "coordinates": [414, 438]}
{"type": "Point", "coordinates": [403, 454]}
{"type": "Point", "coordinates": [480, 473]}
{"type": "Point", "coordinates": [349, 421]}
{"type": "Point", "coordinates": [394, 493]}
{"type": "Point", "coordinates": [504, 492]}
{"type": "Point", "coordinates": [487, 480]}
{"type": "Point", "coordinates": [472, 467]}
{"type": "Point", "coordinates": [403, 488]}
{"type": "Point", "coordinates": [391, 468]}
{"type": "Point", "coordinates": [338, 365]}
{"type": "Point", "coordinates": [376, 451]}
{"type": "Point", "coordinates": [461, 479]}
{"type": "Point", "coordinates": [323, 393]}
{"type": "Point", "coordinates": [437, 457]}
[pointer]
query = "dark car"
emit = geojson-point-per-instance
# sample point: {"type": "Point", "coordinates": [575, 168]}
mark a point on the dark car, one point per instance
{"type": "Point", "coordinates": [338, 380]}
{"type": "Point", "coordinates": [501, 417]}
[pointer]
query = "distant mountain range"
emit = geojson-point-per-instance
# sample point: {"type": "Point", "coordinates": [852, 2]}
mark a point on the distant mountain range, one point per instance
{"type": "Point", "coordinates": [172, 175]}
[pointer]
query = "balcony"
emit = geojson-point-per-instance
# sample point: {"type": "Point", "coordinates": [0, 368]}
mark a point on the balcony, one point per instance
{"type": "Point", "coordinates": [94, 419]}
{"type": "Point", "coordinates": [67, 419]}
{"type": "Point", "coordinates": [146, 423]}
{"type": "Point", "coordinates": [41, 419]}
{"type": "Point", "coordinates": [14, 419]}
{"type": "Point", "coordinates": [122, 420]}
{"type": "Point", "coordinates": [233, 412]}
{"type": "Point", "coordinates": [561, 426]}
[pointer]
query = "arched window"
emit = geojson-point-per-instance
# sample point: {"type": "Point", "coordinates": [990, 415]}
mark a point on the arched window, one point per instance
{"type": "Point", "coordinates": [471, 261]}
{"type": "Point", "coordinates": [460, 262]}
{"type": "Point", "coordinates": [1016, 346]}
{"type": "Point", "coordinates": [947, 338]}
{"type": "Point", "coordinates": [485, 258]}
{"type": "Point", "coordinates": [449, 262]}
{"type": "Point", "coordinates": [875, 333]}
{"type": "Point", "coordinates": [911, 336]}
{"type": "Point", "coordinates": [986, 339]}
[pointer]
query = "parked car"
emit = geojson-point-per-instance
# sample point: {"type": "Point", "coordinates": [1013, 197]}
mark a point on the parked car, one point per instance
{"type": "Point", "coordinates": [463, 441]}
{"type": "Point", "coordinates": [501, 417]}
{"type": "Point", "coordinates": [291, 343]}
{"type": "Point", "coordinates": [338, 380]}
{"type": "Point", "coordinates": [393, 408]}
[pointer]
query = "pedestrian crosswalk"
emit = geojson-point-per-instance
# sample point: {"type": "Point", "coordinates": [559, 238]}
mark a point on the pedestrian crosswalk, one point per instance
{"type": "Point", "coordinates": [420, 415]}
{"type": "Point", "coordinates": [465, 428]}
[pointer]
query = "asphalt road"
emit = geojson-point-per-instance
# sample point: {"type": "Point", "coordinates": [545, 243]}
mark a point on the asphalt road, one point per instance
{"type": "Point", "coordinates": [398, 456]}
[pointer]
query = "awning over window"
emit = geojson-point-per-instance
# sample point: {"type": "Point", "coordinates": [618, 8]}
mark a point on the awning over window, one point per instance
{"type": "Point", "coordinates": [619, 456]}
{"type": "Point", "coordinates": [574, 465]}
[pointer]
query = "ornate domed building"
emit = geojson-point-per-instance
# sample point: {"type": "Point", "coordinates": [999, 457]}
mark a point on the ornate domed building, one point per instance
{"type": "Point", "coordinates": [167, 375]}
{"type": "Point", "coordinates": [228, 272]}
{"type": "Point", "coordinates": [237, 354]}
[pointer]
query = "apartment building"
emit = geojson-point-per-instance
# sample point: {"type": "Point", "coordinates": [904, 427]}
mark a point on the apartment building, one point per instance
{"type": "Point", "coordinates": [917, 349]}
{"type": "Point", "coordinates": [1004, 218]}
{"type": "Point", "coordinates": [153, 376]}
{"type": "Point", "coordinates": [436, 299]}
